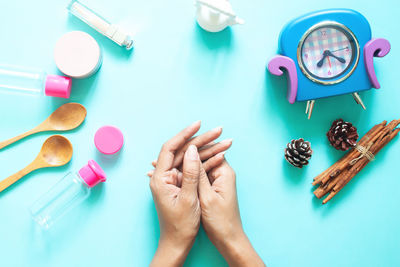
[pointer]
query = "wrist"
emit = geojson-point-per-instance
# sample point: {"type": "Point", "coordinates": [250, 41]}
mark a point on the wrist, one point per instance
{"type": "Point", "coordinates": [171, 252]}
{"type": "Point", "coordinates": [238, 251]}
{"type": "Point", "coordinates": [230, 246]}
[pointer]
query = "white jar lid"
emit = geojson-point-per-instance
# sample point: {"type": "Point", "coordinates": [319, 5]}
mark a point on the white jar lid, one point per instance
{"type": "Point", "coordinates": [77, 54]}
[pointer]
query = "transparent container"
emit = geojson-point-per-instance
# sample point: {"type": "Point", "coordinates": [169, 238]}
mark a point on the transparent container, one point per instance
{"type": "Point", "coordinates": [70, 191]}
{"type": "Point", "coordinates": [100, 24]}
{"type": "Point", "coordinates": [29, 81]}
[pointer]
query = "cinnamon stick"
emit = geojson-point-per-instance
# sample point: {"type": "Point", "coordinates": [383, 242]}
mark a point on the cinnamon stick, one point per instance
{"type": "Point", "coordinates": [344, 170]}
{"type": "Point", "coordinates": [339, 166]}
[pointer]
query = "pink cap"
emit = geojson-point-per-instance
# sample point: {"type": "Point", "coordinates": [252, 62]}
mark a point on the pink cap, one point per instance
{"type": "Point", "coordinates": [108, 140]}
{"type": "Point", "coordinates": [92, 174]}
{"type": "Point", "coordinates": [58, 86]}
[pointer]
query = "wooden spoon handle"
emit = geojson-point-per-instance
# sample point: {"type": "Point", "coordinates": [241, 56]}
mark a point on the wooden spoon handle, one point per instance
{"type": "Point", "coordinates": [15, 177]}
{"type": "Point", "coordinates": [17, 138]}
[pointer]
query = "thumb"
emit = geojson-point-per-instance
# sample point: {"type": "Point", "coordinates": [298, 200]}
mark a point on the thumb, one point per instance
{"type": "Point", "coordinates": [204, 184]}
{"type": "Point", "coordinates": [191, 171]}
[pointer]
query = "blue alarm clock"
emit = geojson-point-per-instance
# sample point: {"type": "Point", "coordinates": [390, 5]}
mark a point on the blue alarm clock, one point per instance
{"type": "Point", "coordinates": [328, 53]}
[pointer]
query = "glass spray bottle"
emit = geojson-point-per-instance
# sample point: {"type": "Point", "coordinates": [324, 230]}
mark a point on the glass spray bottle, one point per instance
{"type": "Point", "coordinates": [66, 194]}
{"type": "Point", "coordinates": [29, 81]}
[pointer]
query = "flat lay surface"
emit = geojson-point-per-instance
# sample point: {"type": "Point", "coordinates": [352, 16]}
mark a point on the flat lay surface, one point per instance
{"type": "Point", "coordinates": [178, 73]}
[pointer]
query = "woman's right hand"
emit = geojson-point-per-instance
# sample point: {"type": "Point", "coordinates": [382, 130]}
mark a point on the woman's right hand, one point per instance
{"type": "Point", "coordinates": [220, 216]}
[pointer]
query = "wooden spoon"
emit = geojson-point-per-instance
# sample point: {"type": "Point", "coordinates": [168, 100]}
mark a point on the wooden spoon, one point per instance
{"type": "Point", "coordinates": [56, 151]}
{"type": "Point", "coordinates": [65, 118]}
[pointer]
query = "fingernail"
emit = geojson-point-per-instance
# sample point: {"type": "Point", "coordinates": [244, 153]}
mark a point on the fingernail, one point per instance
{"type": "Point", "coordinates": [195, 123]}
{"type": "Point", "coordinates": [192, 153]}
{"type": "Point", "coordinates": [227, 141]}
{"type": "Point", "coordinates": [217, 129]}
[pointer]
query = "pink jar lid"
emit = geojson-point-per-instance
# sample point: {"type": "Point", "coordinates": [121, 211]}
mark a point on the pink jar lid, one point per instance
{"type": "Point", "coordinates": [108, 140]}
{"type": "Point", "coordinates": [92, 174]}
{"type": "Point", "coordinates": [58, 86]}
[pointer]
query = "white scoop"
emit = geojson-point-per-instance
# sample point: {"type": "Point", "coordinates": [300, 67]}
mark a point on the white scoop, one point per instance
{"type": "Point", "coordinates": [216, 15]}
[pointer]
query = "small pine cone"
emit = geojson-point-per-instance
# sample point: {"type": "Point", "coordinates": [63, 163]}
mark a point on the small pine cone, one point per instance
{"type": "Point", "coordinates": [298, 152]}
{"type": "Point", "coordinates": [342, 135]}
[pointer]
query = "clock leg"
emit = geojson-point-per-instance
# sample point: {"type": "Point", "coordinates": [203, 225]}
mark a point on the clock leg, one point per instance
{"type": "Point", "coordinates": [310, 107]}
{"type": "Point", "coordinates": [358, 100]}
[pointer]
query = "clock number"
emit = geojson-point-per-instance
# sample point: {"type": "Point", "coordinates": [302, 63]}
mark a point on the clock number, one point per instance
{"type": "Point", "coordinates": [323, 33]}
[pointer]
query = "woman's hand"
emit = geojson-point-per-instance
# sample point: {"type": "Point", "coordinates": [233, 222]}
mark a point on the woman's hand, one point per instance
{"type": "Point", "coordinates": [220, 216]}
{"type": "Point", "coordinates": [211, 153]}
{"type": "Point", "coordinates": [175, 193]}
{"type": "Point", "coordinates": [183, 192]}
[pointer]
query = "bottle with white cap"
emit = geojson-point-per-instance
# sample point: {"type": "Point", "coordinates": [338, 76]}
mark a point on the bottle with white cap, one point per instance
{"type": "Point", "coordinates": [100, 24]}
{"type": "Point", "coordinates": [216, 15]}
{"type": "Point", "coordinates": [30, 81]}
{"type": "Point", "coordinates": [66, 194]}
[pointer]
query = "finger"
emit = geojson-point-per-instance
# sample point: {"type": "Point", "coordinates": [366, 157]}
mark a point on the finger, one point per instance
{"type": "Point", "coordinates": [206, 146]}
{"type": "Point", "coordinates": [150, 173]}
{"type": "Point", "coordinates": [198, 141]}
{"type": "Point", "coordinates": [179, 179]}
{"type": "Point", "coordinates": [221, 171]}
{"type": "Point", "coordinates": [211, 151]}
{"type": "Point", "coordinates": [167, 154]}
{"type": "Point", "coordinates": [214, 162]}
{"type": "Point", "coordinates": [191, 172]}
{"type": "Point", "coordinates": [171, 177]}
{"type": "Point", "coordinates": [205, 189]}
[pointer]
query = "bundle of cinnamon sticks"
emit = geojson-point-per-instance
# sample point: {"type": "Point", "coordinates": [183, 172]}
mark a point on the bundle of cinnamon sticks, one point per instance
{"type": "Point", "coordinates": [339, 174]}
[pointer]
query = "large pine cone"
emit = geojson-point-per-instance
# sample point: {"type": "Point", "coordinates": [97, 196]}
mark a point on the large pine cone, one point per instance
{"type": "Point", "coordinates": [342, 135]}
{"type": "Point", "coordinates": [298, 152]}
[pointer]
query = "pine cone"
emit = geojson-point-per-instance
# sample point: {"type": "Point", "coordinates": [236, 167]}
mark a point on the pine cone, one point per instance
{"type": "Point", "coordinates": [342, 135]}
{"type": "Point", "coordinates": [298, 152]}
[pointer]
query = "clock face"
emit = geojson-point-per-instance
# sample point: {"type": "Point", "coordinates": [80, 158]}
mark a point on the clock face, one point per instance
{"type": "Point", "coordinates": [327, 52]}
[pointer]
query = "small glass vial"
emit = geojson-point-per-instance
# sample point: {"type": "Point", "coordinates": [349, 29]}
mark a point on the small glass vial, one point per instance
{"type": "Point", "coordinates": [100, 24]}
{"type": "Point", "coordinates": [28, 81]}
{"type": "Point", "coordinates": [66, 194]}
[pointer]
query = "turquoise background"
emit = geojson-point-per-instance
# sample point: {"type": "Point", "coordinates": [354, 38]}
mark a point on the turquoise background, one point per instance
{"type": "Point", "coordinates": [177, 74]}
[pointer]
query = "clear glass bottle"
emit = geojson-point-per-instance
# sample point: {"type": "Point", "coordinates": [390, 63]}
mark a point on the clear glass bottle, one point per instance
{"type": "Point", "coordinates": [66, 194]}
{"type": "Point", "coordinates": [22, 80]}
{"type": "Point", "coordinates": [100, 24]}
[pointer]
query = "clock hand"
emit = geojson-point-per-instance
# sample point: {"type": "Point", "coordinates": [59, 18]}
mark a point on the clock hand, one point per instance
{"type": "Point", "coordinates": [340, 59]}
{"type": "Point", "coordinates": [321, 62]}
{"type": "Point", "coordinates": [340, 49]}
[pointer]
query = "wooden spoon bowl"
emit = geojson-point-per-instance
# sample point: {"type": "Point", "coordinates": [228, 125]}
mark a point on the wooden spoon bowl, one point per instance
{"type": "Point", "coordinates": [56, 151]}
{"type": "Point", "coordinates": [65, 118]}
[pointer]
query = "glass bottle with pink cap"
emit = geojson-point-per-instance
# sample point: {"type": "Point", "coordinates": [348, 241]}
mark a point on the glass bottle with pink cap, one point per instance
{"type": "Point", "coordinates": [29, 81]}
{"type": "Point", "coordinates": [66, 194]}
